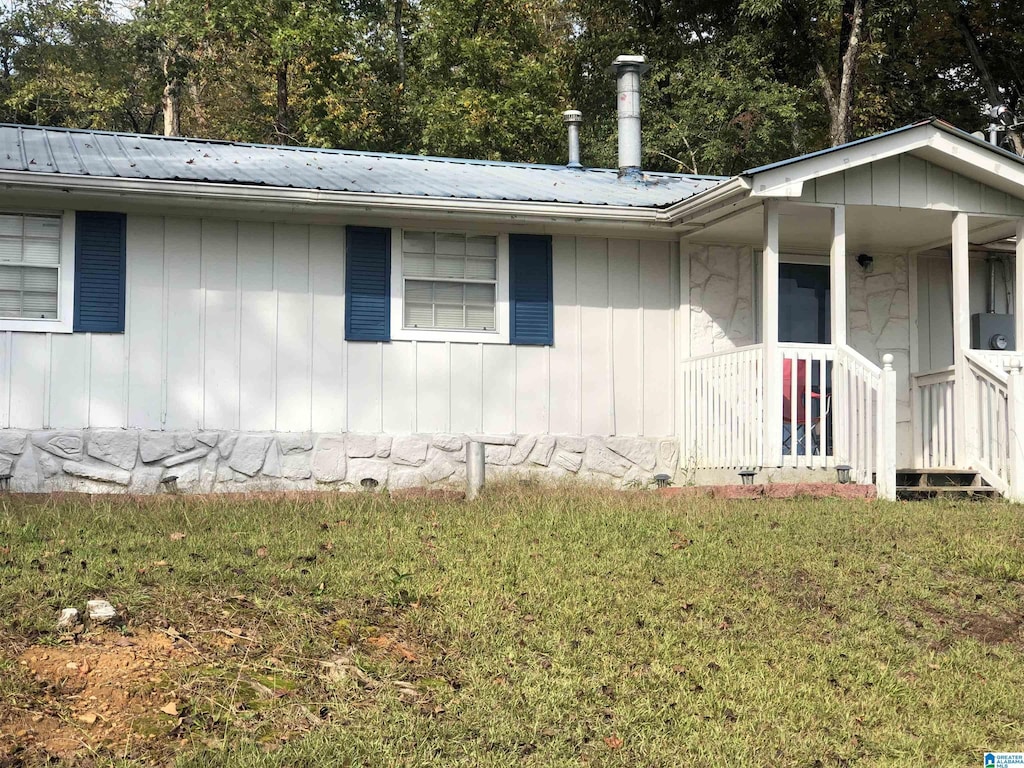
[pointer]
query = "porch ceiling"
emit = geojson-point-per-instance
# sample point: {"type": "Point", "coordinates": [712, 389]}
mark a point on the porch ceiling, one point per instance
{"type": "Point", "coordinates": [879, 229]}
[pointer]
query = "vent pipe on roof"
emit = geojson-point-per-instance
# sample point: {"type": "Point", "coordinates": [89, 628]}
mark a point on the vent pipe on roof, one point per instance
{"type": "Point", "coordinates": [573, 118]}
{"type": "Point", "coordinates": [627, 71]}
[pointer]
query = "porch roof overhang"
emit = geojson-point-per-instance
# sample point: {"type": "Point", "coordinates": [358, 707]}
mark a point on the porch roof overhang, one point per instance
{"type": "Point", "coordinates": [934, 141]}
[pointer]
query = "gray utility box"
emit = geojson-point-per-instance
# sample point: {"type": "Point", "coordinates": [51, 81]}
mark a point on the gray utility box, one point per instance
{"type": "Point", "coordinates": [985, 327]}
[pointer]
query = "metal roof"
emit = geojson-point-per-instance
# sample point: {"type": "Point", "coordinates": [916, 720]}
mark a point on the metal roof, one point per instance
{"type": "Point", "coordinates": [43, 150]}
{"type": "Point", "coordinates": [942, 125]}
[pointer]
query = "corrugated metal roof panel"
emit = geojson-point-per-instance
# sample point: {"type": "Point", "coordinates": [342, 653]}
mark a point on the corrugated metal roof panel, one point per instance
{"type": "Point", "coordinates": [136, 156]}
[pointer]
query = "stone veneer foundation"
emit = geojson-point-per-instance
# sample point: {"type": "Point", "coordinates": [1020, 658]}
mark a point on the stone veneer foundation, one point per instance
{"type": "Point", "coordinates": [136, 461]}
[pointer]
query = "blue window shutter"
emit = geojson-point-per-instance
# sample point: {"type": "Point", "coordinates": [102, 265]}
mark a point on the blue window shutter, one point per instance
{"type": "Point", "coordinates": [530, 292]}
{"type": "Point", "coordinates": [99, 272]}
{"type": "Point", "coordinates": [368, 284]}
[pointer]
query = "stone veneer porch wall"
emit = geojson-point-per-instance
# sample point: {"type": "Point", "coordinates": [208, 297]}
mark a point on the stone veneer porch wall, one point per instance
{"type": "Point", "coordinates": [136, 461]}
{"type": "Point", "coordinates": [878, 307]}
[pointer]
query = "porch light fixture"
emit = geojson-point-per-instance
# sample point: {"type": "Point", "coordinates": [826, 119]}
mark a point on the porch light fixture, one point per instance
{"type": "Point", "coordinates": [867, 263]}
{"type": "Point", "coordinates": [662, 481]}
{"type": "Point", "coordinates": [747, 475]}
{"type": "Point", "coordinates": [843, 473]}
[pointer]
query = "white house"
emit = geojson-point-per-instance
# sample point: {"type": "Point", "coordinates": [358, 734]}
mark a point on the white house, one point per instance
{"type": "Point", "coordinates": [241, 316]}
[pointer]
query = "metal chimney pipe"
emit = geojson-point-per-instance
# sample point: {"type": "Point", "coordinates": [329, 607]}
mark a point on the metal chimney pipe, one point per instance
{"type": "Point", "coordinates": [627, 71]}
{"type": "Point", "coordinates": [573, 118]}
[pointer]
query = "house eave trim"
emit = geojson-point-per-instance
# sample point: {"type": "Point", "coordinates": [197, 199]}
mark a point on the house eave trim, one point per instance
{"type": "Point", "coordinates": [249, 196]}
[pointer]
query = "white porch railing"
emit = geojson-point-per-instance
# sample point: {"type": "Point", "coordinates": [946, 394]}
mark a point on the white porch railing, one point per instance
{"type": "Point", "coordinates": [860, 421]}
{"type": "Point", "coordinates": [989, 426]}
{"type": "Point", "coordinates": [723, 398]}
{"type": "Point", "coordinates": [832, 411]}
{"type": "Point", "coordinates": [932, 405]}
{"type": "Point", "coordinates": [807, 405]}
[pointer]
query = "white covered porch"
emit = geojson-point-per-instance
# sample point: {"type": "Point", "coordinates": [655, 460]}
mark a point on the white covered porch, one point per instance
{"type": "Point", "coordinates": [862, 394]}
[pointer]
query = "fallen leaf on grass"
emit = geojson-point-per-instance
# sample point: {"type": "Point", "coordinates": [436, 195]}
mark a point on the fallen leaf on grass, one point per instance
{"type": "Point", "coordinates": [170, 708]}
{"type": "Point", "coordinates": [613, 742]}
{"type": "Point", "coordinates": [262, 552]}
{"type": "Point", "coordinates": [177, 536]}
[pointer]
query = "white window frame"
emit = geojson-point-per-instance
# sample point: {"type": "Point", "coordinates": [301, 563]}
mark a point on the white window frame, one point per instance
{"type": "Point", "coordinates": [64, 322]}
{"type": "Point", "coordinates": [500, 334]}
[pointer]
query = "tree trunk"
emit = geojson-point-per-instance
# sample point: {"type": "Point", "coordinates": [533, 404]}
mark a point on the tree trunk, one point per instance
{"type": "Point", "coordinates": [992, 92]}
{"type": "Point", "coordinates": [840, 101]}
{"type": "Point", "coordinates": [171, 100]}
{"type": "Point", "coordinates": [400, 40]}
{"type": "Point", "coordinates": [202, 124]}
{"type": "Point", "coordinates": [281, 123]}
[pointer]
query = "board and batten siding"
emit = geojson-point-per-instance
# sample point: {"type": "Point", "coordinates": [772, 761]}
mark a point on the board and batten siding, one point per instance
{"type": "Point", "coordinates": [240, 325]}
{"type": "Point", "coordinates": [909, 182]}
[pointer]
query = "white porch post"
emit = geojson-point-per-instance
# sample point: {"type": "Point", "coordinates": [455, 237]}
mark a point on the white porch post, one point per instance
{"type": "Point", "coordinates": [1015, 385]}
{"type": "Point", "coordinates": [837, 270]}
{"type": "Point", "coordinates": [770, 337]}
{"type": "Point", "coordinates": [962, 417]}
{"type": "Point", "coordinates": [837, 289]}
{"type": "Point", "coordinates": [1018, 289]}
{"type": "Point", "coordinates": [1015, 434]}
{"type": "Point", "coordinates": [885, 432]}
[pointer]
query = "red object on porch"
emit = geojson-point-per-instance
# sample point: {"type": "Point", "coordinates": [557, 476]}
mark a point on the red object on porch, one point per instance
{"type": "Point", "coordinates": [801, 390]}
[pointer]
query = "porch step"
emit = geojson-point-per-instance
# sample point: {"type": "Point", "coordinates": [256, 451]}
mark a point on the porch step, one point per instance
{"type": "Point", "coordinates": [940, 481]}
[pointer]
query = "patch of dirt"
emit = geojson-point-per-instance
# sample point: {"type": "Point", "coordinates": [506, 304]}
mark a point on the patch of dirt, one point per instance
{"type": "Point", "coordinates": [983, 627]}
{"type": "Point", "coordinates": [808, 594]}
{"type": "Point", "coordinates": [151, 693]}
{"type": "Point", "coordinates": [107, 692]}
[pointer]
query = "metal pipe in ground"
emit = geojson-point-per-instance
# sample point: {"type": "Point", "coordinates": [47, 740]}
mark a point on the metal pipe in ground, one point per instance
{"type": "Point", "coordinates": [474, 469]}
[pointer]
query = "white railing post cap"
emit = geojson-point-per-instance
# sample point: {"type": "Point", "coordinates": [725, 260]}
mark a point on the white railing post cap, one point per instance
{"type": "Point", "coordinates": [887, 360]}
{"type": "Point", "coordinates": [1015, 364]}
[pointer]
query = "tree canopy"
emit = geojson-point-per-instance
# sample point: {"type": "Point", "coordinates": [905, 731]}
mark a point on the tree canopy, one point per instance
{"type": "Point", "coordinates": [733, 83]}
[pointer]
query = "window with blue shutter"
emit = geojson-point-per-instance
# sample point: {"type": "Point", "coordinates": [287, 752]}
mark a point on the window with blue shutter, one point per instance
{"type": "Point", "coordinates": [531, 304]}
{"type": "Point", "coordinates": [99, 271]}
{"type": "Point", "coordinates": [368, 284]}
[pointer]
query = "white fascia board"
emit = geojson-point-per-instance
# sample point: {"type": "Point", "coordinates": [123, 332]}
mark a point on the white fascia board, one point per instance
{"type": "Point", "coordinates": [726, 193]}
{"type": "Point", "coordinates": [781, 181]}
{"type": "Point", "coordinates": [978, 163]}
{"type": "Point", "coordinates": [247, 197]}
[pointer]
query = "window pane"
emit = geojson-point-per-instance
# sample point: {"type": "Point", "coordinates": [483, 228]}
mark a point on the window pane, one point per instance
{"type": "Point", "coordinates": [42, 226]}
{"type": "Point", "coordinates": [417, 290]}
{"type": "Point", "coordinates": [10, 278]}
{"type": "Point", "coordinates": [42, 306]}
{"type": "Point", "coordinates": [480, 294]}
{"type": "Point", "coordinates": [10, 249]}
{"type": "Point", "coordinates": [482, 269]}
{"type": "Point", "coordinates": [480, 318]}
{"type": "Point", "coordinates": [10, 303]}
{"type": "Point", "coordinates": [10, 225]}
{"type": "Point", "coordinates": [448, 293]}
{"type": "Point", "coordinates": [451, 244]}
{"type": "Point", "coordinates": [42, 252]}
{"type": "Point", "coordinates": [482, 246]}
{"type": "Point", "coordinates": [418, 315]}
{"type": "Point", "coordinates": [450, 316]}
{"type": "Point", "coordinates": [418, 265]}
{"type": "Point", "coordinates": [418, 242]}
{"type": "Point", "coordinates": [446, 266]}
{"type": "Point", "coordinates": [36, 279]}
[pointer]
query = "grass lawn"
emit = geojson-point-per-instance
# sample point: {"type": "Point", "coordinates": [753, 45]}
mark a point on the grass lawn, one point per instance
{"type": "Point", "coordinates": [566, 627]}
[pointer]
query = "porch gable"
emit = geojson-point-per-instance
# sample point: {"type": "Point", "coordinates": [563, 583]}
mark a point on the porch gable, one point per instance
{"type": "Point", "coordinates": [906, 181]}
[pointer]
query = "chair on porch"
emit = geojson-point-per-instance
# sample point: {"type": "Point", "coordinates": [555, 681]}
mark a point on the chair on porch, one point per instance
{"type": "Point", "coordinates": [799, 409]}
